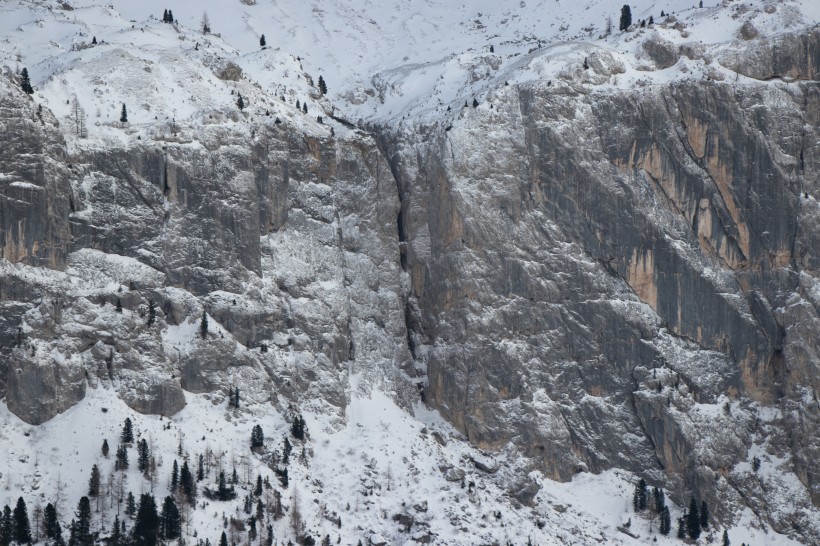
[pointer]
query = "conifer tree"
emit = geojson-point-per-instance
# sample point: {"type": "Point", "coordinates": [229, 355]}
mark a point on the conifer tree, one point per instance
{"type": "Point", "coordinates": [105, 448]}
{"type": "Point", "coordinates": [223, 540]}
{"type": "Point", "coordinates": [200, 469]}
{"type": "Point", "coordinates": [682, 527]}
{"type": "Point", "coordinates": [94, 482]}
{"type": "Point", "coordinates": [175, 476]}
{"type": "Point", "coordinates": [118, 307]}
{"type": "Point", "coordinates": [257, 437]}
{"type": "Point", "coordinates": [224, 492]}
{"type": "Point", "coordinates": [278, 510]}
{"type": "Point", "coordinates": [236, 397]}
{"type": "Point", "coordinates": [131, 505]}
{"type": "Point", "coordinates": [651, 20]}
{"type": "Point", "coordinates": [124, 115]}
{"type": "Point", "coordinates": [25, 82]}
{"type": "Point", "coordinates": [298, 105]}
{"type": "Point", "coordinates": [297, 428]}
{"type": "Point", "coordinates": [659, 500]}
{"type": "Point", "coordinates": [121, 462]}
{"type": "Point", "coordinates": [203, 326]}
{"type": "Point", "coordinates": [81, 528]}
{"type": "Point", "coordinates": [22, 527]}
{"type": "Point", "coordinates": [240, 103]}
{"type": "Point", "coordinates": [286, 449]}
{"type": "Point", "coordinates": [304, 107]}
{"type": "Point", "coordinates": [704, 515]}
{"type": "Point", "coordinates": [666, 521]}
{"type": "Point", "coordinates": [94, 40]}
{"type": "Point", "coordinates": [116, 532]}
{"type": "Point", "coordinates": [726, 538]}
{"type": "Point", "coordinates": [50, 522]}
{"type": "Point", "coordinates": [639, 498]}
{"type": "Point", "coordinates": [170, 16]}
{"type": "Point", "coordinates": [127, 435]}
{"type": "Point", "coordinates": [262, 42]}
{"type": "Point", "coordinates": [187, 484]}
{"type": "Point", "coordinates": [6, 527]}
{"type": "Point", "coordinates": [146, 524]}
{"type": "Point", "coordinates": [322, 85]}
{"type": "Point", "coordinates": [258, 489]}
{"type": "Point", "coordinates": [206, 23]}
{"type": "Point", "coordinates": [170, 520]}
{"type": "Point", "coordinates": [626, 17]}
{"type": "Point", "coordinates": [143, 456]}
{"type": "Point", "coordinates": [165, 16]}
{"type": "Point", "coordinates": [475, 103]}
{"type": "Point", "coordinates": [693, 520]}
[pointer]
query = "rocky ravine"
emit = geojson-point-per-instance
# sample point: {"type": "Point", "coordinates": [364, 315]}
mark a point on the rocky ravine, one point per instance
{"type": "Point", "coordinates": [603, 278]}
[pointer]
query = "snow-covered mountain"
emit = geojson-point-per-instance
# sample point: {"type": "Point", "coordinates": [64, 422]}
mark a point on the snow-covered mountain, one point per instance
{"type": "Point", "coordinates": [512, 261]}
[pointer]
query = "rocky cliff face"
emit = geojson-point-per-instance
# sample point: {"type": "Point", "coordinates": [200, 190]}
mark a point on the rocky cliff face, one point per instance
{"type": "Point", "coordinates": [285, 240]}
{"type": "Point", "coordinates": [599, 278]}
{"type": "Point", "coordinates": [590, 267]}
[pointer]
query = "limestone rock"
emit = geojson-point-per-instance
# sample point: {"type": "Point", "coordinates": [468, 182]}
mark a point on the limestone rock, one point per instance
{"type": "Point", "coordinates": [793, 56]}
{"type": "Point", "coordinates": [662, 52]}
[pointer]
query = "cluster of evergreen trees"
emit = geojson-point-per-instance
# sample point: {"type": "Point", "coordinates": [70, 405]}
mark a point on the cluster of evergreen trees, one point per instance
{"type": "Point", "coordinates": [149, 520]}
{"type": "Point", "coordinates": [694, 520]}
{"type": "Point", "coordinates": [656, 505]}
{"type": "Point", "coordinates": [626, 18]}
{"type": "Point", "coordinates": [233, 397]}
{"type": "Point", "coordinates": [297, 428]}
{"type": "Point", "coordinates": [167, 16]}
{"type": "Point", "coordinates": [15, 526]}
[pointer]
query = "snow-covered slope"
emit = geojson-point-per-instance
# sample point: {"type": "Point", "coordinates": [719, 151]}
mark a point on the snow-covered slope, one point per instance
{"type": "Point", "coordinates": [382, 476]}
{"type": "Point", "coordinates": [382, 60]}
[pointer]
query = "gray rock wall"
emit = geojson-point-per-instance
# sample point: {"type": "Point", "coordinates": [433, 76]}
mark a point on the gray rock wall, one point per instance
{"type": "Point", "coordinates": [562, 240]}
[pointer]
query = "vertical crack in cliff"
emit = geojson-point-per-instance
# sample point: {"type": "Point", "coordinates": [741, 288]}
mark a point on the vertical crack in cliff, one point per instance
{"type": "Point", "coordinates": [801, 179]}
{"type": "Point", "coordinates": [165, 188]}
{"type": "Point", "coordinates": [381, 135]}
{"type": "Point", "coordinates": [723, 192]}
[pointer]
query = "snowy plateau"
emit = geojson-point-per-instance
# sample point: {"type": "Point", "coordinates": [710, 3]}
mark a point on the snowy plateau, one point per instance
{"type": "Point", "coordinates": [474, 269]}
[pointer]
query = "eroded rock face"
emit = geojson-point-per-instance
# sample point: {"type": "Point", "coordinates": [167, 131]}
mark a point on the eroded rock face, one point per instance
{"type": "Point", "coordinates": [597, 234]}
{"type": "Point", "coordinates": [287, 241]}
{"type": "Point", "coordinates": [35, 199]}
{"type": "Point", "coordinates": [790, 56]}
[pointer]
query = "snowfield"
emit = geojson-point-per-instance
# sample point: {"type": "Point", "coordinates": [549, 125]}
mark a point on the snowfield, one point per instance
{"type": "Point", "coordinates": [382, 462]}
